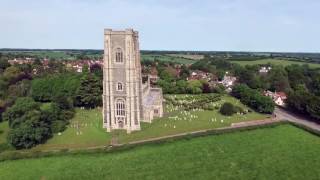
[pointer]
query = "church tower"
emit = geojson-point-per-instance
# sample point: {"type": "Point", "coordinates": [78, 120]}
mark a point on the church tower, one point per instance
{"type": "Point", "coordinates": [122, 84]}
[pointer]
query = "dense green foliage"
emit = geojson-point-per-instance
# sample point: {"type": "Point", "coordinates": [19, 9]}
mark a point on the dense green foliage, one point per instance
{"type": "Point", "coordinates": [304, 102]}
{"type": "Point", "coordinates": [89, 92]}
{"type": "Point", "coordinates": [14, 83]}
{"type": "Point", "coordinates": [47, 88]}
{"type": "Point", "coordinates": [28, 125]}
{"type": "Point", "coordinates": [19, 109]}
{"type": "Point", "coordinates": [285, 151]}
{"type": "Point", "coordinates": [253, 98]}
{"type": "Point", "coordinates": [32, 123]}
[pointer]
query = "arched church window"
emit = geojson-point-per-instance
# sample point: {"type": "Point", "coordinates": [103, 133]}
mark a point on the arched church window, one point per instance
{"type": "Point", "coordinates": [120, 108]}
{"type": "Point", "coordinates": [119, 55]}
{"type": "Point", "coordinates": [119, 86]}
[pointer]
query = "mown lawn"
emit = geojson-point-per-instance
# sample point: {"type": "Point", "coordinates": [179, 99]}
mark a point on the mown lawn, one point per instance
{"type": "Point", "coordinates": [282, 152]}
{"type": "Point", "coordinates": [276, 62]}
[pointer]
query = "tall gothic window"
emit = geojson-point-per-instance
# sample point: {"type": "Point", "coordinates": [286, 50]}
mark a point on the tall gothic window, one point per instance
{"type": "Point", "coordinates": [119, 86]}
{"type": "Point", "coordinates": [119, 55]}
{"type": "Point", "coordinates": [120, 108]}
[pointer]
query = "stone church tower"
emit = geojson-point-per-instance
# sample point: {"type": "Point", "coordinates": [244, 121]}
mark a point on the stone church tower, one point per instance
{"type": "Point", "coordinates": [122, 84]}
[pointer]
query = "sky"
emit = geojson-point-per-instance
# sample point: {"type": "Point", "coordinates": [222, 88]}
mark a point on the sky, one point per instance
{"type": "Point", "coordinates": [207, 25]}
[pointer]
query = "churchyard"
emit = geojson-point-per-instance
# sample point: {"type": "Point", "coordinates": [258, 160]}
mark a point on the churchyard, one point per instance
{"type": "Point", "coordinates": [268, 153]}
{"type": "Point", "coordinates": [183, 113]}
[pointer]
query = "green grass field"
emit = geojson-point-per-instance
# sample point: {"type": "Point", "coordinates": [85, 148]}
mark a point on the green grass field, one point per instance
{"type": "Point", "coordinates": [275, 62]}
{"type": "Point", "coordinates": [282, 152]}
{"type": "Point", "coordinates": [167, 58]}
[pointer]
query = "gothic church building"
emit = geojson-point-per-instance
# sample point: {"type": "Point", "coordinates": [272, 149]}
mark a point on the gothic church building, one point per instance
{"type": "Point", "coordinates": [126, 100]}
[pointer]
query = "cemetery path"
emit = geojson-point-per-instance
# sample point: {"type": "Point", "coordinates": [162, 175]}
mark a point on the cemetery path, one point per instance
{"type": "Point", "coordinates": [283, 114]}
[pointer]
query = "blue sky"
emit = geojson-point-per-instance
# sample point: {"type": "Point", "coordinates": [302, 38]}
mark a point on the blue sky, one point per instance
{"type": "Point", "coordinates": [232, 25]}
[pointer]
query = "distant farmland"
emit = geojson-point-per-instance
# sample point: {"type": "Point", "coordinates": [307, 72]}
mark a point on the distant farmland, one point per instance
{"type": "Point", "coordinates": [167, 58]}
{"type": "Point", "coordinates": [275, 62]}
{"type": "Point", "coordinates": [188, 56]}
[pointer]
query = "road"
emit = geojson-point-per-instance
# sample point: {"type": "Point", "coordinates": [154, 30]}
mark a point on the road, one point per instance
{"type": "Point", "coordinates": [282, 114]}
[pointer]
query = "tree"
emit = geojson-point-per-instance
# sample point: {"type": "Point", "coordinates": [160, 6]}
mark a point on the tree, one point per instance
{"type": "Point", "coordinates": [206, 88]}
{"type": "Point", "coordinates": [182, 86]}
{"type": "Point", "coordinates": [194, 87]}
{"type": "Point", "coordinates": [184, 73]}
{"type": "Point", "coordinates": [63, 100]}
{"type": "Point", "coordinates": [45, 89]}
{"type": "Point", "coordinates": [27, 123]}
{"type": "Point", "coordinates": [19, 109]}
{"type": "Point", "coordinates": [253, 98]}
{"type": "Point", "coordinates": [11, 74]}
{"type": "Point", "coordinates": [166, 75]}
{"type": "Point", "coordinates": [19, 89]}
{"type": "Point", "coordinates": [278, 78]}
{"type": "Point", "coordinates": [85, 69]}
{"type": "Point", "coordinates": [31, 132]}
{"type": "Point", "coordinates": [304, 102]}
{"type": "Point", "coordinates": [97, 70]}
{"type": "Point", "coordinates": [55, 116]}
{"type": "Point", "coordinates": [296, 75]}
{"type": "Point", "coordinates": [3, 64]}
{"type": "Point", "coordinates": [89, 92]}
{"type": "Point", "coordinates": [313, 107]}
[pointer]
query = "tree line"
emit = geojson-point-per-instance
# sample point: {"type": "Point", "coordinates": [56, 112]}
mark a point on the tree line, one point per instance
{"type": "Point", "coordinates": [38, 105]}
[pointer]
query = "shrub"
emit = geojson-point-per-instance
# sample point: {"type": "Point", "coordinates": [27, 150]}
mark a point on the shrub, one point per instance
{"type": "Point", "coordinates": [28, 135]}
{"type": "Point", "coordinates": [228, 109]}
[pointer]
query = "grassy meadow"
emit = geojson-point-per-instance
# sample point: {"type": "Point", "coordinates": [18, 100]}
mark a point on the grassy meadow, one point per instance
{"type": "Point", "coordinates": [281, 152]}
{"type": "Point", "coordinates": [276, 62]}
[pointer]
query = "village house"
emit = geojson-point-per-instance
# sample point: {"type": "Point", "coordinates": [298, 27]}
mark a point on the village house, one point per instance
{"type": "Point", "coordinates": [277, 97]}
{"type": "Point", "coordinates": [228, 81]}
{"type": "Point", "coordinates": [21, 61]}
{"type": "Point", "coordinates": [79, 64]}
{"type": "Point", "coordinates": [200, 75]}
{"type": "Point", "coordinates": [264, 70]}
